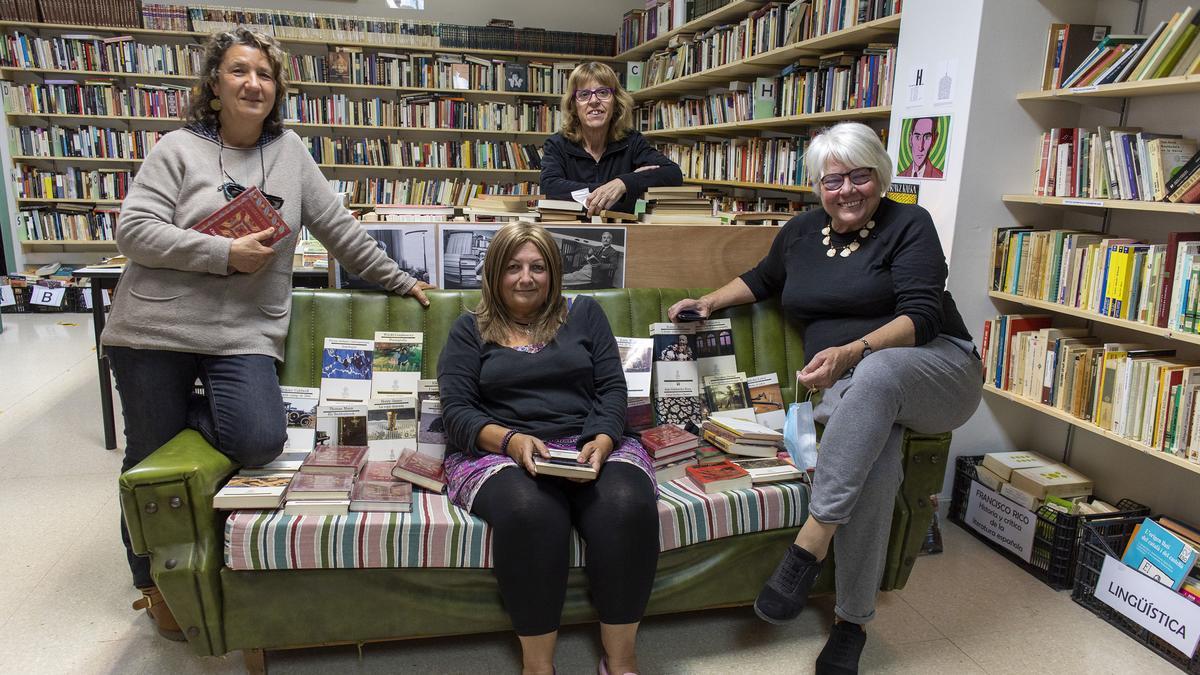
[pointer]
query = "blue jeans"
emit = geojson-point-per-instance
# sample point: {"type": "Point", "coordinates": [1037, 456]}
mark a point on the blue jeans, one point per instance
{"type": "Point", "coordinates": [242, 415]}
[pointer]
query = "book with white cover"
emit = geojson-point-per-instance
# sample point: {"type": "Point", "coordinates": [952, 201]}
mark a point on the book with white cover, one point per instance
{"type": "Point", "coordinates": [714, 348]}
{"type": "Point", "coordinates": [391, 428]}
{"type": "Point", "coordinates": [675, 372]}
{"type": "Point", "coordinates": [300, 408]}
{"type": "Point", "coordinates": [396, 363]}
{"type": "Point", "coordinates": [728, 395]}
{"type": "Point", "coordinates": [426, 389]}
{"type": "Point", "coordinates": [252, 492]}
{"type": "Point", "coordinates": [636, 359]}
{"type": "Point", "coordinates": [342, 425]}
{"type": "Point", "coordinates": [346, 371]}
{"type": "Point", "coordinates": [769, 470]}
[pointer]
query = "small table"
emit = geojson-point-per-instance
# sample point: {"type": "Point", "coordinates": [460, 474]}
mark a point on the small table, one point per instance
{"type": "Point", "coordinates": [105, 278]}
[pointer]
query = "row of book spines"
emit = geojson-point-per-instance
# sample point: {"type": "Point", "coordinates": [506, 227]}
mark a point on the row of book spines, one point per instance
{"type": "Point", "coordinates": [744, 158]}
{"type": "Point", "coordinates": [1137, 392]}
{"type": "Point", "coordinates": [51, 225]}
{"type": "Point", "coordinates": [1170, 50]}
{"type": "Point", "coordinates": [1120, 163]}
{"type": "Point", "coordinates": [1153, 284]}
{"type": "Point", "coordinates": [448, 154]}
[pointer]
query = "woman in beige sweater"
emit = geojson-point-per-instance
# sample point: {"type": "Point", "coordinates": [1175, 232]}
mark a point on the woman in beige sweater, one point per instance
{"type": "Point", "coordinates": [191, 305]}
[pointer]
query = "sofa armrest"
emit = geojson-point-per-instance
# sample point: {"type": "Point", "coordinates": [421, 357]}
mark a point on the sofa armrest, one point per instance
{"type": "Point", "coordinates": [167, 502]}
{"type": "Point", "coordinates": [925, 457]}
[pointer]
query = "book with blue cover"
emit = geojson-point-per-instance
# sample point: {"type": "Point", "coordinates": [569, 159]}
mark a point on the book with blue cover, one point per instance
{"type": "Point", "coordinates": [1154, 551]}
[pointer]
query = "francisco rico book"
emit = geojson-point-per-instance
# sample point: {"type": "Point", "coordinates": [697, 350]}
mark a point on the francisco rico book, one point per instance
{"type": "Point", "coordinates": [719, 477]}
{"type": "Point", "coordinates": [245, 214]}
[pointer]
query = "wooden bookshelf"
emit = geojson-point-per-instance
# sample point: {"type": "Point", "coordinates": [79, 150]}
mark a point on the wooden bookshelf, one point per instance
{"type": "Point", "coordinates": [1088, 426]}
{"type": "Point", "coordinates": [1163, 86]}
{"type": "Point", "coordinates": [371, 167]}
{"type": "Point", "coordinates": [293, 84]}
{"type": "Point", "coordinates": [201, 36]}
{"type": "Point", "coordinates": [33, 201]}
{"type": "Point", "coordinates": [67, 246]}
{"type": "Point", "coordinates": [751, 186]}
{"type": "Point", "coordinates": [773, 123]}
{"type": "Point", "coordinates": [1122, 204]}
{"type": "Point", "coordinates": [734, 11]}
{"type": "Point", "coordinates": [1147, 329]}
{"type": "Point", "coordinates": [770, 61]}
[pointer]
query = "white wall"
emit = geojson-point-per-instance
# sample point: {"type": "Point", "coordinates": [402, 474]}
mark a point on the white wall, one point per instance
{"type": "Point", "coordinates": [999, 155]}
{"type": "Point", "coordinates": [595, 16]}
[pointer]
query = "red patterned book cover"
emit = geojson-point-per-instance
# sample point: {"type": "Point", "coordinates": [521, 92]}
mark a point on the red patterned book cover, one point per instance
{"type": "Point", "coordinates": [719, 477]}
{"type": "Point", "coordinates": [422, 469]}
{"type": "Point", "coordinates": [394, 496]}
{"type": "Point", "coordinates": [666, 436]}
{"type": "Point", "coordinates": [335, 459]}
{"type": "Point", "coordinates": [377, 472]}
{"type": "Point", "coordinates": [245, 214]}
{"type": "Point", "coordinates": [320, 486]}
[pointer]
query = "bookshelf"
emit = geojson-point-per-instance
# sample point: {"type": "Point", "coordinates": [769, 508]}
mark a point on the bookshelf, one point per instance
{"type": "Point", "coordinates": [749, 186]}
{"type": "Point", "coordinates": [297, 126]}
{"type": "Point", "coordinates": [1115, 204]}
{"type": "Point", "coordinates": [733, 11]}
{"type": "Point", "coordinates": [881, 112]}
{"type": "Point", "coordinates": [1146, 329]}
{"type": "Point", "coordinates": [1088, 426]}
{"type": "Point", "coordinates": [1163, 86]}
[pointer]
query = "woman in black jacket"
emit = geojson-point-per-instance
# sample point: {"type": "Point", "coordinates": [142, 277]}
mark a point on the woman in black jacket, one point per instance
{"type": "Point", "coordinates": [598, 150]}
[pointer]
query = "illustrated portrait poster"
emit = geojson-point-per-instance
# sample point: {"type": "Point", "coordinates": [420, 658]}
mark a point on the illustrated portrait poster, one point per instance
{"type": "Point", "coordinates": [923, 147]}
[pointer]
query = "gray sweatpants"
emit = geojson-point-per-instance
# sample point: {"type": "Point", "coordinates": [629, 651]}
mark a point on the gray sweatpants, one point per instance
{"type": "Point", "coordinates": [933, 388]}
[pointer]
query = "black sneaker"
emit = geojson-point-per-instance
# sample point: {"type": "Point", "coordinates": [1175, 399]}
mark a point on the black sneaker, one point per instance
{"type": "Point", "coordinates": [842, 650]}
{"type": "Point", "coordinates": [785, 593]}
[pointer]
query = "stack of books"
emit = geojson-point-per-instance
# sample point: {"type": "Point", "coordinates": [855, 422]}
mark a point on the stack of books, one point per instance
{"type": "Point", "coordinates": [251, 489]}
{"type": "Point", "coordinates": [559, 211]}
{"type": "Point", "coordinates": [681, 204]}
{"type": "Point", "coordinates": [484, 207]}
{"type": "Point", "coordinates": [1030, 480]}
{"type": "Point", "coordinates": [741, 437]}
{"type": "Point", "coordinates": [671, 449]}
{"type": "Point", "coordinates": [376, 489]}
{"type": "Point", "coordinates": [325, 479]}
{"type": "Point", "coordinates": [1167, 551]}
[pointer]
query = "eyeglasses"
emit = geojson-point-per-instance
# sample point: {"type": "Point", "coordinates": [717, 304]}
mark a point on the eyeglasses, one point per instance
{"type": "Point", "coordinates": [232, 190]}
{"type": "Point", "coordinates": [859, 176]}
{"type": "Point", "coordinates": [585, 95]}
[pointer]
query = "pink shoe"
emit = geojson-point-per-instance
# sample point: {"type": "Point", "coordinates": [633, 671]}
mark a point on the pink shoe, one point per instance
{"type": "Point", "coordinates": [602, 669]}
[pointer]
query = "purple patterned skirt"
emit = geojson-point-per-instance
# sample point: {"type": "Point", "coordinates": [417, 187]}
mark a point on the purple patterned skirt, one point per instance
{"type": "Point", "coordinates": [466, 475]}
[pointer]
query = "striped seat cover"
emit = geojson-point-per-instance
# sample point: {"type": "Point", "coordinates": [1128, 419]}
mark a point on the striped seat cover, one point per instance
{"type": "Point", "coordinates": [439, 534]}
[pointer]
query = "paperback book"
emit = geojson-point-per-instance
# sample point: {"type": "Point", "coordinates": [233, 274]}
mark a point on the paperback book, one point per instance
{"type": "Point", "coordinates": [342, 425]}
{"type": "Point", "coordinates": [714, 348]}
{"type": "Point", "coordinates": [300, 408]}
{"type": "Point", "coordinates": [320, 486]}
{"type": "Point", "coordinates": [391, 428]}
{"type": "Point", "coordinates": [769, 470]}
{"type": "Point", "coordinates": [396, 363]}
{"type": "Point", "coordinates": [675, 370]}
{"type": "Point", "coordinates": [391, 496]}
{"type": "Point", "coordinates": [729, 396]}
{"type": "Point", "coordinates": [252, 492]}
{"type": "Point", "coordinates": [636, 359]}
{"type": "Point", "coordinates": [346, 370]}
{"type": "Point", "coordinates": [767, 399]}
{"type": "Point", "coordinates": [426, 389]}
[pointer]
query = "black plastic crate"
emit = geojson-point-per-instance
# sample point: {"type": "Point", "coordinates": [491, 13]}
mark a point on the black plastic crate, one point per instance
{"type": "Point", "coordinates": [1109, 537]}
{"type": "Point", "coordinates": [21, 295]}
{"type": "Point", "coordinates": [1055, 538]}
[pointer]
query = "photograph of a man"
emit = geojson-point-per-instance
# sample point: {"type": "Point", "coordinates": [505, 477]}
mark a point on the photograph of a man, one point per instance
{"type": "Point", "coordinates": [923, 152]}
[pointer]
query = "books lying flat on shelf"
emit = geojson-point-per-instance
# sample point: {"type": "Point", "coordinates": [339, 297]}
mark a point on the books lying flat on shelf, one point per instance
{"type": "Point", "coordinates": [244, 215]}
{"type": "Point", "coordinates": [300, 408]}
{"type": "Point", "coordinates": [668, 439]}
{"type": "Point", "coordinates": [317, 507]}
{"type": "Point", "coordinates": [425, 466]}
{"type": "Point", "coordinates": [769, 470]}
{"type": "Point", "coordinates": [391, 496]}
{"type": "Point", "coordinates": [563, 463]}
{"type": "Point", "coordinates": [252, 492]}
{"type": "Point", "coordinates": [346, 370]}
{"type": "Point", "coordinates": [307, 486]}
{"type": "Point", "coordinates": [719, 477]}
{"type": "Point", "coordinates": [345, 459]}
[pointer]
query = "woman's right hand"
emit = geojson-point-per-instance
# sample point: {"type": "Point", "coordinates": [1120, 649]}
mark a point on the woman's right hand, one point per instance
{"type": "Point", "coordinates": [522, 447]}
{"type": "Point", "coordinates": [247, 254]}
{"type": "Point", "coordinates": [699, 305]}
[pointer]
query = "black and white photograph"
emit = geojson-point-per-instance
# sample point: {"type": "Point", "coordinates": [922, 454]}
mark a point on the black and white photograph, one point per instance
{"type": "Point", "coordinates": [463, 248]}
{"type": "Point", "coordinates": [412, 246]}
{"type": "Point", "coordinates": [593, 257]}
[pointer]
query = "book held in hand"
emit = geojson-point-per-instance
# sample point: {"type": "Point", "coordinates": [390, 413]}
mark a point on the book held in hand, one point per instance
{"type": "Point", "coordinates": [245, 214]}
{"type": "Point", "coordinates": [562, 463]}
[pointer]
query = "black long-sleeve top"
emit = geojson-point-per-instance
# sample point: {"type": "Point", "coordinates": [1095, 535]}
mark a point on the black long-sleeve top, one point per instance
{"type": "Point", "coordinates": [567, 167]}
{"type": "Point", "coordinates": [574, 385]}
{"type": "Point", "coordinates": [899, 270]}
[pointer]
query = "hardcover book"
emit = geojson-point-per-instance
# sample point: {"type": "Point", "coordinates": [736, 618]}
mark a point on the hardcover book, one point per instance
{"type": "Point", "coordinates": [392, 496]}
{"type": "Point", "coordinates": [346, 370]}
{"type": "Point", "coordinates": [317, 507]}
{"type": "Point", "coordinates": [244, 215]}
{"type": "Point", "coordinates": [300, 408]}
{"type": "Point", "coordinates": [342, 425]}
{"type": "Point", "coordinates": [562, 463]}
{"type": "Point", "coordinates": [639, 414]}
{"type": "Point", "coordinates": [391, 428]}
{"type": "Point", "coordinates": [347, 459]}
{"type": "Point", "coordinates": [667, 439]}
{"type": "Point", "coordinates": [252, 492]}
{"type": "Point", "coordinates": [719, 477]}
{"type": "Point", "coordinates": [320, 486]}
{"type": "Point", "coordinates": [396, 363]}
{"type": "Point", "coordinates": [424, 466]}
{"type": "Point", "coordinates": [769, 470]}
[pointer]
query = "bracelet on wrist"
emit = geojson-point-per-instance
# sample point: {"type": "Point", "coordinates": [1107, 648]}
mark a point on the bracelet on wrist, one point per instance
{"type": "Point", "coordinates": [504, 443]}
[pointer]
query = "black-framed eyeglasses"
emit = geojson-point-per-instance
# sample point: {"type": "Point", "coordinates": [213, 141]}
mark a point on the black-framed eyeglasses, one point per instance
{"type": "Point", "coordinates": [860, 176]}
{"type": "Point", "coordinates": [585, 95]}
{"type": "Point", "coordinates": [231, 190]}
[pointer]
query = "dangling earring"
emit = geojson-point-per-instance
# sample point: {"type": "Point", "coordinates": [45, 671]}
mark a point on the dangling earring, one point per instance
{"type": "Point", "coordinates": [215, 104]}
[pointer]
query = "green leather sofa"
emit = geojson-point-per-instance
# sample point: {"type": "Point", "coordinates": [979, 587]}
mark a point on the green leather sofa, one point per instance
{"type": "Point", "coordinates": [167, 500]}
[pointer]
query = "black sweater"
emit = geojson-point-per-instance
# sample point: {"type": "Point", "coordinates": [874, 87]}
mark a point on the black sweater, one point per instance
{"type": "Point", "coordinates": [567, 167]}
{"type": "Point", "coordinates": [899, 270]}
{"type": "Point", "coordinates": [574, 385]}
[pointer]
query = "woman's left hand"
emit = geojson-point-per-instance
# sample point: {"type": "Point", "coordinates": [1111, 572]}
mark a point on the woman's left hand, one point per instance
{"type": "Point", "coordinates": [418, 292]}
{"type": "Point", "coordinates": [603, 197]}
{"type": "Point", "coordinates": [828, 366]}
{"type": "Point", "coordinates": [595, 451]}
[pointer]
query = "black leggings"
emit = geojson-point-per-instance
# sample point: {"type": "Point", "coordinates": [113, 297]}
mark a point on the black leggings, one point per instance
{"type": "Point", "coordinates": [531, 521]}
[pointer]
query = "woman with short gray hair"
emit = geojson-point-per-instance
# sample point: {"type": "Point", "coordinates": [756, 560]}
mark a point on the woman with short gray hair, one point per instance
{"type": "Point", "coordinates": [887, 349]}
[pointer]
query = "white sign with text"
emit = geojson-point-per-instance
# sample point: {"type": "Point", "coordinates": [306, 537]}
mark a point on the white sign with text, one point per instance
{"type": "Point", "coordinates": [1000, 520]}
{"type": "Point", "coordinates": [48, 297]}
{"type": "Point", "coordinates": [7, 297]}
{"type": "Point", "coordinates": [86, 294]}
{"type": "Point", "coordinates": [1153, 606]}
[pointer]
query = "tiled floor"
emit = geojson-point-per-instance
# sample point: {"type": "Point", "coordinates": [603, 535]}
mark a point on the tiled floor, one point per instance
{"type": "Point", "coordinates": [64, 589]}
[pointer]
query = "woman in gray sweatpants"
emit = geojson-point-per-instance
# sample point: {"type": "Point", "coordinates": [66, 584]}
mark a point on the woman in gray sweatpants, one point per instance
{"type": "Point", "coordinates": [865, 277]}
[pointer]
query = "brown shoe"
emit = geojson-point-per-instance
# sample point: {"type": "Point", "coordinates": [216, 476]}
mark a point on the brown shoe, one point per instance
{"type": "Point", "coordinates": [156, 608]}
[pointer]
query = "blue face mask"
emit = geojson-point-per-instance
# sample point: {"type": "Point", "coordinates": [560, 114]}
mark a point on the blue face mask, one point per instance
{"type": "Point", "coordinates": [800, 431]}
